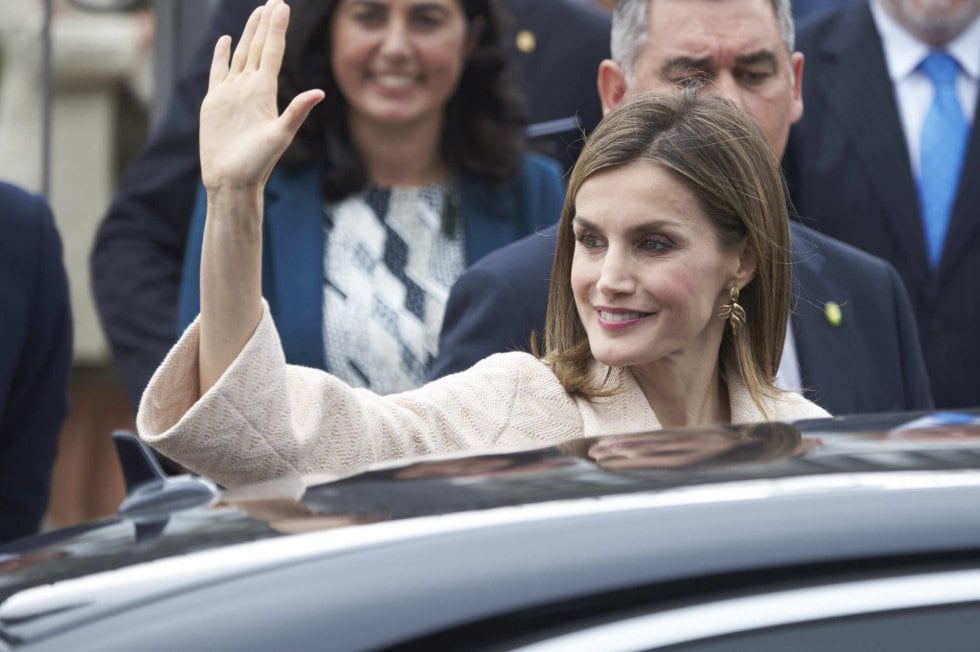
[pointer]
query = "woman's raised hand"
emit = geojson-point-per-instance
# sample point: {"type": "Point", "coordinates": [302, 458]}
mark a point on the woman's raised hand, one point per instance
{"type": "Point", "coordinates": [242, 137]}
{"type": "Point", "coordinates": [242, 133]}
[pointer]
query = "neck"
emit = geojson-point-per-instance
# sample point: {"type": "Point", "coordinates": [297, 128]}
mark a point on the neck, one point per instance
{"type": "Point", "coordinates": [683, 394]}
{"type": "Point", "coordinates": [400, 155]}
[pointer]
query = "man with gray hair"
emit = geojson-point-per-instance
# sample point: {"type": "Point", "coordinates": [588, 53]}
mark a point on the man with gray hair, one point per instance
{"type": "Point", "coordinates": [887, 157]}
{"type": "Point", "coordinates": [852, 345]}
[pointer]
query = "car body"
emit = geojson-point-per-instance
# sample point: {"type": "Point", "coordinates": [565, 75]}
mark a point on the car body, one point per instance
{"type": "Point", "coordinates": [854, 533]}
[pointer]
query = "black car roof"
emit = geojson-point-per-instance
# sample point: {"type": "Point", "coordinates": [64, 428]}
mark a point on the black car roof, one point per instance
{"type": "Point", "coordinates": [826, 467]}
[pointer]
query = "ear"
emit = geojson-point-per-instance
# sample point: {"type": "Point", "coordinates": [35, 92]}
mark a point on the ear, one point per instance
{"type": "Point", "coordinates": [612, 84]}
{"type": "Point", "coordinates": [796, 111]}
{"type": "Point", "coordinates": [745, 265]}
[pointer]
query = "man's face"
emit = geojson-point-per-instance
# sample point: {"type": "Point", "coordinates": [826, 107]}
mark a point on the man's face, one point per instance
{"type": "Point", "coordinates": [733, 45]}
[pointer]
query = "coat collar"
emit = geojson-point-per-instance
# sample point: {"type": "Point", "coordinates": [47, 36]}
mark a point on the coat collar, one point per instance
{"type": "Point", "coordinates": [628, 410]}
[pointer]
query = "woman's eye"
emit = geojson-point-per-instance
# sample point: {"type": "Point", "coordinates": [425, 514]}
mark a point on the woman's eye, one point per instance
{"type": "Point", "coordinates": [369, 17]}
{"type": "Point", "coordinates": [427, 20]}
{"type": "Point", "coordinates": [655, 245]}
{"type": "Point", "coordinates": [692, 79]}
{"type": "Point", "coordinates": [754, 78]}
{"type": "Point", "coordinates": [589, 241]}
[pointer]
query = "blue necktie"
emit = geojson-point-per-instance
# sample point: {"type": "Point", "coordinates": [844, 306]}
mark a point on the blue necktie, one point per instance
{"type": "Point", "coordinates": [941, 150]}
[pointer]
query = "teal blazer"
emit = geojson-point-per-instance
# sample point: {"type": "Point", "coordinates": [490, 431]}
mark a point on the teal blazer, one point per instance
{"type": "Point", "coordinates": [293, 243]}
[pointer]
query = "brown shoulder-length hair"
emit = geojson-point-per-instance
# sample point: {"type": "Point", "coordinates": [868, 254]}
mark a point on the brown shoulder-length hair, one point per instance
{"type": "Point", "coordinates": [720, 154]}
{"type": "Point", "coordinates": [485, 119]}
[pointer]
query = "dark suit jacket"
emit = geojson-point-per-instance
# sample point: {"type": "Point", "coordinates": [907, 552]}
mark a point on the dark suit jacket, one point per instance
{"type": "Point", "coordinates": [871, 362]}
{"type": "Point", "coordinates": [559, 74]}
{"type": "Point", "coordinates": [850, 177]}
{"type": "Point", "coordinates": [35, 357]}
{"type": "Point", "coordinates": [139, 249]}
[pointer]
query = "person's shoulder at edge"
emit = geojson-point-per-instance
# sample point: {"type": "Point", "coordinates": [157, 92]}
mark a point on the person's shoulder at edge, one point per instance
{"type": "Point", "coordinates": [814, 26]}
{"type": "Point", "coordinates": [496, 303]}
{"type": "Point", "coordinates": [20, 209]}
{"type": "Point", "coordinates": [807, 241]}
{"type": "Point", "coordinates": [514, 260]}
{"type": "Point", "coordinates": [568, 15]}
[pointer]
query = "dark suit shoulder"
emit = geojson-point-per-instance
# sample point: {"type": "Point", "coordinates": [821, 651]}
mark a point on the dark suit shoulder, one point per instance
{"type": "Point", "coordinates": [820, 27]}
{"type": "Point", "coordinates": [20, 212]}
{"type": "Point", "coordinates": [589, 25]}
{"type": "Point", "coordinates": [497, 303]}
{"type": "Point", "coordinates": [35, 356]}
{"type": "Point", "coordinates": [529, 257]}
{"type": "Point", "coordinates": [30, 236]}
{"type": "Point", "coordinates": [31, 270]}
{"type": "Point", "coordinates": [806, 241]}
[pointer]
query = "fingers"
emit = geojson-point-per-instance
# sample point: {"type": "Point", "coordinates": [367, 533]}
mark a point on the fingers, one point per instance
{"type": "Point", "coordinates": [245, 43]}
{"type": "Point", "coordinates": [219, 61]}
{"type": "Point", "coordinates": [257, 46]}
{"type": "Point", "coordinates": [275, 41]}
{"type": "Point", "coordinates": [263, 39]}
{"type": "Point", "coordinates": [299, 109]}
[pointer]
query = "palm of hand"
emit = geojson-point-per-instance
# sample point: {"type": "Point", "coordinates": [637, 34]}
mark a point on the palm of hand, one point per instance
{"type": "Point", "coordinates": [242, 134]}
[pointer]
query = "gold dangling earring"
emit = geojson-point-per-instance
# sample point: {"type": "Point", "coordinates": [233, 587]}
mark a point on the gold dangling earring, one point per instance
{"type": "Point", "coordinates": [733, 312]}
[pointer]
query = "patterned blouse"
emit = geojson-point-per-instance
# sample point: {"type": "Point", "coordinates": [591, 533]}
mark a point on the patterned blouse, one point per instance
{"type": "Point", "coordinates": [391, 256]}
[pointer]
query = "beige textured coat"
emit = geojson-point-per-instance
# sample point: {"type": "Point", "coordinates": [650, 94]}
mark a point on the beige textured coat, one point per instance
{"type": "Point", "coordinates": [265, 419]}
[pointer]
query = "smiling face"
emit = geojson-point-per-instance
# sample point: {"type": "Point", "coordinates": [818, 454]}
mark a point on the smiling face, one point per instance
{"type": "Point", "coordinates": [733, 45]}
{"type": "Point", "coordinates": [398, 62]}
{"type": "Point", "coordinates": [648, 274]}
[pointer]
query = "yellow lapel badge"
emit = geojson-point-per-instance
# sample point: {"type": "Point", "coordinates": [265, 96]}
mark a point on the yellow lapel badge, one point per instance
{"type": "Point", "coordinates": [832, 311]}
{"type": "Point", "coordinates": [526, 41]}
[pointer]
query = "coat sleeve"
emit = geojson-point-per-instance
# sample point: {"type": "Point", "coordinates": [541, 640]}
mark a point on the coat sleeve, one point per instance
{"type": "Point", "coordinates": [37, 401]}
{"type": "Point", "coordinates": [265, 419]}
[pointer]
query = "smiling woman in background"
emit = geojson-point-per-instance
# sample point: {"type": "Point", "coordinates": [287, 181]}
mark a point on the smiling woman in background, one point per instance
{"type": "Point", "coordinates": [412, 167]}
{"type": "Point", "coordinates": [673, 260]}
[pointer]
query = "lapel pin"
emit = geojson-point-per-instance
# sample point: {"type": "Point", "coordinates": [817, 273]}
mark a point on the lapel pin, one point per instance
{"type": "Point", "coordinates": [526, 41]}
{"type": "Point", "coordinates": [833, 313]}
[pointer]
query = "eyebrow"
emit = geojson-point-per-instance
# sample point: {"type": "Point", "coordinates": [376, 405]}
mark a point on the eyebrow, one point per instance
{"type": "Point", "coordinates": [639, 229]}
{"type": "Point", "coordinates": [760, 56]}
{"type": "Point", "coordinates": [432, 4]}
{"type": "Point", "coordinates": [682, 63]}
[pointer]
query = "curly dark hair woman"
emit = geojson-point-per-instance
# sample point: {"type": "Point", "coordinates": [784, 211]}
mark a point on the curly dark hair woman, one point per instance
{"type": "Point", "coordinates": [485, 118]}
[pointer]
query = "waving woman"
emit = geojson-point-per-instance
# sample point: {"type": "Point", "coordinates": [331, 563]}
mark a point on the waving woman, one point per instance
{"type": "Point", "coordinates": [674, 271]}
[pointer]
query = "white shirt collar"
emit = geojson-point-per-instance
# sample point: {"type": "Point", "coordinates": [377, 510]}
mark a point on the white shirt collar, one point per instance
{"type": "Point", "coordinates": [904, 52]}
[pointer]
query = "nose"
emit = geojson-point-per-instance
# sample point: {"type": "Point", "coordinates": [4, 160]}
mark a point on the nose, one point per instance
{"type": "Point", "coordinates": [616, 274]}
{"type": "Point", "coordinates": [724, 84]}
{"type": "Point", "coordinates": [396, 41]}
